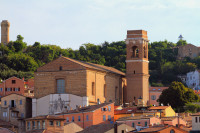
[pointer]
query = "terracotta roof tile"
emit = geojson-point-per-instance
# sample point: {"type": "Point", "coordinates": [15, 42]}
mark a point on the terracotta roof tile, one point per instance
{"type": "Point", "coordinates": [158, 107]}
{"type": "Point", "coordinates": [135, 118]}
{"type": "Point", "coordinates": [129, 110]}
{"type": "Point", "coordinates": [196, 114]}
{"type": "Point", "coordinates": [48, 117]}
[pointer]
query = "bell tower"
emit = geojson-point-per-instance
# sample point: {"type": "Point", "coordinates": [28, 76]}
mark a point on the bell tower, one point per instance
{"type": "Point", "coordinates": [5, 25]}
{"type": "Point", "coordinates": [137, 67]}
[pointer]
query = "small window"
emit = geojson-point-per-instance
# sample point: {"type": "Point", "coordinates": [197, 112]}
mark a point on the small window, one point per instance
{"type": "Point", "coordinates": [1, 89]}
{"type": "Point", "coordinates": [67, 119]}
{"type": "Point", "coordinates": [153, 97]}
{"type": "Point", "coordinates": [43, 124]}
{"type": "Point", "coordinates": [87, 118]}
{"type": "Point", "coordinates": [196, 119]}
{"type": "Point", "coordinates": [33, 125]}
{"type": "Point", "coordinates": [28, 125]}
{"type": "Point", "coordinates": [145, 124]}
{"type": "Point", "coordinates": [20, 102]}
{"type": "Point", "coordinates": [38, 124]}
{"type": "Point", "coordinates": [5, 102]}
{"type": "Point", "coordinates": [135, 52]}
{"type": "Point", "coordinates": [79, 118]}
{"type": "Point", "coordinates": [60, 68]}
{"type": "Point", "coordinates": [22, 115]}
{"type": "Point", "coordinates": [51, 123]}
{"type": "Point", "coordinates": [109, 108]}
{"type": "Point", "coordinates": [58, 123]}
{"type": "Point", "coordinates": [133, 124]}
{"type": "Point", "coordinates": [13, 81]}
{"type": "Point", "coordinates": [109, 117]}
{"type": "Point", "coordinates": [93, 89]}
{"type": "Point", "coordinates": [72, 118]}
{"type": "Point", "coordinates": [172, 131]}
{"type": "Point", "coordinates": [138, 122]}
{"type": "Point", "coordinates": [104, 117]}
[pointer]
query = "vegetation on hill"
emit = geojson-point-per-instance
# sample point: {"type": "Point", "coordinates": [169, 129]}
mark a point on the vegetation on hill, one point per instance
{"type": "Point", "coordinates": [178, 96]}
{"type": "Point", "coordinates": [21, 60]}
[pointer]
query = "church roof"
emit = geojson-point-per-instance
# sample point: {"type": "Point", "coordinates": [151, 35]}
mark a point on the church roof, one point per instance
{"type": "Point", "coordinates": [90, 66]}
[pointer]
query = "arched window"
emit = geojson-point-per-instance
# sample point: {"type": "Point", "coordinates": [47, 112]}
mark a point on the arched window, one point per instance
{"type": "Point", "coordinates": [135, 52]}
{"type": "Point", "coordinates": [145, 55]}
{"type": "Point", "coordinates": [172, 131]}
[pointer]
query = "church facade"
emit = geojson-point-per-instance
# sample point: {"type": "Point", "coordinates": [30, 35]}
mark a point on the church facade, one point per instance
{"type": "Point", "coordinates": [64, 75]}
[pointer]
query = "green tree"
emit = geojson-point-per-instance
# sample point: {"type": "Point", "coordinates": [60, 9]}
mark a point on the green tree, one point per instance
{"type": "Point", "coordinates": [177, 95]}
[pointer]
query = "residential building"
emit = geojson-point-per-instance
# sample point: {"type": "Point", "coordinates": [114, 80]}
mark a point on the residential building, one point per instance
{"type": "Point", "coordinates": [139, 122]}
{"type": "Point", "coordinates": [188, 50]}
{"type": "Point", "coordinates": [15, 107]}
{"type": "Point", "coordinates": [163, 129]}
{"type": "Point", "coordinates": [108, 128]}
{"type": "Point", "coordinates": [72, 128]}
{"type": "Point", "coordinates": [183, 78]}
{"type": "Point", "coordinates": [165, 111]}
{"type": "Point", "coordinates": [45, 124]}
{"type": "Point", "coordinates": [124, 112]}
{"type": "Point", "coordinates": [90, 115]}
{"type": "Point", "coordinates": [29, 88]}
{"type": "Point", "coordinates": [193, 79]}
{"type": "Point", "coordinates": [195, 122]}
{"type": "Point", "coordinates": [64, 75]}
{"type": "Point", "coordinates": [154, 94]}
{"type": "Point", "coordinates": [57, 103]}
{"type": "Point", "coordinates": [137, 68]}
{"type": "Point", "coordinates": [12, 85]}
{"type": "Point", "coordinates": [174, 121]}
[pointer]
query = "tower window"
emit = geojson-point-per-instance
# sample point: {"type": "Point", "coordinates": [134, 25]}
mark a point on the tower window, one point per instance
{"type": "Point", "coordinates": [145, 55]}
{"type": "Point", "coordinates": [13, 81]}
{"type": "Point", "coordinates": [135, 52]}
{"type": "Point", "coordinates": [60, 86]}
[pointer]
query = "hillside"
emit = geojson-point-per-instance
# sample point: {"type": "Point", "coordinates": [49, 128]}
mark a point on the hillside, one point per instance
{"type": "Point", "coordinates": [21, 60]}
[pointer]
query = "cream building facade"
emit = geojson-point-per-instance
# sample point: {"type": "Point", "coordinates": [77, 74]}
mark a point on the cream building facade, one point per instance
{"type": "Point", "coordinates": [57, 103]}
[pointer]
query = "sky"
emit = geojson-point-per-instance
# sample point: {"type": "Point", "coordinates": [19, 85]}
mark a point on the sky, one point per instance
{"type": "Point", "coordinates": [71, 23]}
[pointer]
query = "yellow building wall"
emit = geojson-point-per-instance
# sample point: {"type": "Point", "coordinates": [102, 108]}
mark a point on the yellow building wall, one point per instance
{"type": "Point", "coordinates": [168, 112]}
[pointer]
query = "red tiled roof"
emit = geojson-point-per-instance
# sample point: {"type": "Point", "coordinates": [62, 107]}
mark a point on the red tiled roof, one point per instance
{"type": "Point", "coordinates": [48, 117]}
{"type": "Point", "coordinates": [158, 107]}
{"type": "Point", "coordinates": [196, 114]}
{"type": "Point", "coordinates": [129, 110]}
{"type": "Point", "coordinates": [86, 109]}
{"type": "Point", "coordinates": [197, 92]}
{"type": "Point", "coordinates": [134, 118]}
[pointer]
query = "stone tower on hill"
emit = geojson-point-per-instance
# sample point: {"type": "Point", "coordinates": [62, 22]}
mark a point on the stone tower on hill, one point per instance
{"type": "Point", "coordinates": [5, 25]}
{"type": "Point", "coordinates": [137, 67]}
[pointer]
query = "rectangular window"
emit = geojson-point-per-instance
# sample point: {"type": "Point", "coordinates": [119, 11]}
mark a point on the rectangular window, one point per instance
{"type": "Point", "coordinates": [93, 88]}
{"type": "Point", "coordinates": [153, 97]}
{"type": "Point", "coordinates": [67, 119]}
{"type": "Point", "coordinates": [22, 115]}
{"type": "Point", "coordinates": [43, 124]}
{"type": "Point", "coordinates": [87, 118]}
{"type": "Point", "coordinates": [38, 124]}
{"type": "Point", "coordinates": [79, 118]}
{"type": "Point", "coordinates": [58, 123]}
{"type": "Point", "coordinates": [109, 117]}
{"type": "Point", "coordinates": [105, 90]}
{"type": "Point", "coordinates": [1, 89]}
{"type": "Point", "coordinates": [60, 86]}
{"type": "Point", "coordinates": [72, 118]}
{"type": "Point", "coordinates": [196, 119]}
{"type": "Point", "coordinates": [51, 123]}
{"type": "Point", "coordinates": [109, 108]}
{"type": "Point", "coordinates": [4, 114]}
{"type": "Point", "coordinates": [33, 124]}
{"type": "Point", "coordinates": [138, 122]}
{"type": "Point", "coordinates": [104, 117]}
{"type": "Point", "coordinates": [5, 103]}
{"type": "Point", "coordinates": [145, 124]}
{"type": "Point", "coordinates": [13, 81]}
{"type": "Point", "coordinates": [20, 102]}
{"type": "Point", "coordinates": [28, 125]}
{"type": "Point", "coordinates": [133, 124]}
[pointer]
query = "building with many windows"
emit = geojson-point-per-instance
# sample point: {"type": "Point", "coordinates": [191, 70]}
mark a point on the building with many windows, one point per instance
{"type": "Point", "coordinates": [14, 108]}
{"type": "Point", "coordinates": [154, 94]}
{"type": "Point", "coordinates": [12, 85]}
{"type": "Point", "coordinates": [90, 115]}
{"type": "Point", "coordinates": [193, 80]}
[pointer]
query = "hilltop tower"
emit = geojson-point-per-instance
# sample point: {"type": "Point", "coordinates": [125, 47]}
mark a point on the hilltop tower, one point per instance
{"type": "Point", "coordinates": [137, 67]}
{"type": "Point", "coordinates": [5, 25]}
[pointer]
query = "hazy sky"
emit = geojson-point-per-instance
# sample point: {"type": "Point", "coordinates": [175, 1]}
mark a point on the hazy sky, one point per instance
{"type": "Point", "coordinates": [71, 23]}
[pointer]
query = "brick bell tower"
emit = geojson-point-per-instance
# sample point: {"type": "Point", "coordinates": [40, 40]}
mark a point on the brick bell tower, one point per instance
{"type": "Point", "coordinates": [5, 25]}
{"type": "Point", "coordinates": [137, 67]}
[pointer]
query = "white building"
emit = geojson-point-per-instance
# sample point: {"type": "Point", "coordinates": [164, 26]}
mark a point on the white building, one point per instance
{"type": "Point", "coordinates": [193, 79]}
{"type": "Point", "coordinates": [57, 103]}
{"type": "Point", "coordinates": [196, 122]}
